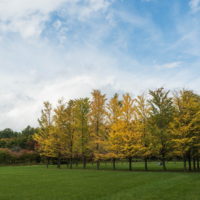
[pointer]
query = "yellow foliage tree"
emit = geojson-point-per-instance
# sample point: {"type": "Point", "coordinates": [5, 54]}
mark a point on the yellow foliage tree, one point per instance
{"type": "Point", "coordinates": [97, 117]}
{"type": "Point", "coordinates": [58, 136]}
{"type": "Point", "coordinates": [142, 109]}
{"type": "Point", "coordinates": [82, 136]}
{"type": "Point", "coordinates": [114, 142]}
{"type": "Point", "coordinates": [43, 133]}
{"type": "Point", "coordinates": [186, 127]}
{"type": "Point", "coordinates": [161, 126]}
{"type": "Point", "coordinates": [71, 128]}
{"type": "Point", "coordinates": [131, 138]}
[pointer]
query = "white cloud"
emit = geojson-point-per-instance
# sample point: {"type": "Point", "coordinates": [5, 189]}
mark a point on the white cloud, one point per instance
{"type": "Point", "coordinates": [32, 71]}
{"type": "Point", "coordinates": [69, 74]}
{"type": "Point", "coordinates": [170, 65]}
{"type": "Point", "coordinates": [28, 17]}
{"type": "Point", "coordinates": [90, 6]}
{"type": "Point", "coordinates": [195, 5]}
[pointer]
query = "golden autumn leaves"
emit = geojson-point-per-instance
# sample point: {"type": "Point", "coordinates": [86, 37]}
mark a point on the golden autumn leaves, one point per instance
{"type": "Point", "coordinates": [161, 126]}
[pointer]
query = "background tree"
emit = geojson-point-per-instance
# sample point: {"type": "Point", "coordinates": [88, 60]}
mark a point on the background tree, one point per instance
{"type": "Point", "coordinates": [8, 133]}
{"type": "Point", "coordinates": [28, 131]}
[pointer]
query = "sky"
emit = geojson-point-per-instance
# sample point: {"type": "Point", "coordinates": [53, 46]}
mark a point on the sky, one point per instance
{"type": "Point", "coordinates": [54, 49]}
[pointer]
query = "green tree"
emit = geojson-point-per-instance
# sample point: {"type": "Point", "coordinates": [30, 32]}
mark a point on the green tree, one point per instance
{"type": "Point", "coordinates": [71, 127]}
{"type": "Point", "coordinates": [161, 115]}
{"type": "Point", "coordinates": [142, 109]}
{"type": "Point", "coordinates": [186, 127]}
{"type": "Point", "coordinates": [82, 136]}
{"type": "Point", "coordinates": [8, 133]}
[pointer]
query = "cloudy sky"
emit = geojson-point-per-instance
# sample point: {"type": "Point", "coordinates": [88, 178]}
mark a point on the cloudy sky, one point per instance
{"type": "Point", "coordinates": [65, 48]}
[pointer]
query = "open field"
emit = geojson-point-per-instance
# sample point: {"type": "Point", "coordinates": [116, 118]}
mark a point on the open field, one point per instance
{"type": "Point", "coordinates": [39, 183]}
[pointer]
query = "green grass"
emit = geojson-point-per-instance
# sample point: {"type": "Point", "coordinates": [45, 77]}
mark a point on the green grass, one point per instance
{"type": "Point", "coordinates": [39, 183]}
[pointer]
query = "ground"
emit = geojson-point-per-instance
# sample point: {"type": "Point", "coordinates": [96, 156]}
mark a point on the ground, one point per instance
{"type": "Point", "coordinates": [39, 183]}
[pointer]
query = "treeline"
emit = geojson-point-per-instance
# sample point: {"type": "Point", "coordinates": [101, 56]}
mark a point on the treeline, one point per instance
{"type": "Point", "coordinates": [18, 147]}
{"type": "Point", "coordinates": [161, 125]}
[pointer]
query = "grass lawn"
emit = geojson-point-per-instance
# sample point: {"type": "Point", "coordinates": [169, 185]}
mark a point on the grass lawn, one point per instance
{"type": "Point", "coordinates": [39, 183]}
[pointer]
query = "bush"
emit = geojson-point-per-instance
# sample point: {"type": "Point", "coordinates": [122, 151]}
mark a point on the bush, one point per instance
{"type": "Point", "coordinates": [5, 156]}
{"type": "Point", "coordinates": [18, 157]}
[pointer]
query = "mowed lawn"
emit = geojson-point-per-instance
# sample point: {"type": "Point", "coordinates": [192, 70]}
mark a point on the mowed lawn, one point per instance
{"type": "Point", "coordinates": [39, 183]}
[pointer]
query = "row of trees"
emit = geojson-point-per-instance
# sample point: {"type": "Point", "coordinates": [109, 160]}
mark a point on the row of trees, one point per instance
{"type": "Point", "coordinates": [18, 147]}
{"type": "Point", "coordinates": [16, 141]}
{"type": "Point", "coordinates": [159, 125]}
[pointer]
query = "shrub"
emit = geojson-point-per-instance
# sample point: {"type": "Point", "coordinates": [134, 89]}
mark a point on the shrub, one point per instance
{"type": "Point", "coordinates": [18, 157]}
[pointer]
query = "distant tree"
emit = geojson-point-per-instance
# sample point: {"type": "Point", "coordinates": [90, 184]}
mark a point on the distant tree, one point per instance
{"type": "Point", "coordinates": [28, 131]}
{"type": "Point", "coordinates": [8, 133]}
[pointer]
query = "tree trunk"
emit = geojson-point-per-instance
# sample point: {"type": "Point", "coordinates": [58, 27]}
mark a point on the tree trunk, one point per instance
{"type": "Point", "coordinates": [114, 160]}
{"type": "Point", "coordinates": [189, 163]}
{"type": "Point", "coordinates": [76, 163]}
{"type": "Point", "coordinates": [67, 163]}
{"type": "Point", "coordinates": [194, 164]}
{"type": "Point", "coordinates": [164, 166]}
{"type": "Point", "coordinates": [163, 162]}
{"type": "Point", "coordinates": [145, 164]}
{"type": "Point", "coordinates": [70, 166]}
{"type": "Point", "coordinates": [130, 163]}
{"type": "Point", "coordinates": [84, 162]}
{"type": "Point", "coordinates": [47, 163]}
{"type": "Point", "coordinates": [198, 167]}
{"type": "Point", "coordinates": [98, 164]}
{"type": "Point", "coordinates": [185, 163]}
{"type": "Point", "coordinates": [58, 161]}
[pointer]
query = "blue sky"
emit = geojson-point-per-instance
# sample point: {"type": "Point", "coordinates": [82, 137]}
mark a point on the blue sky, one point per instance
{"type": "Point", "coordinates": [65, 48]}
